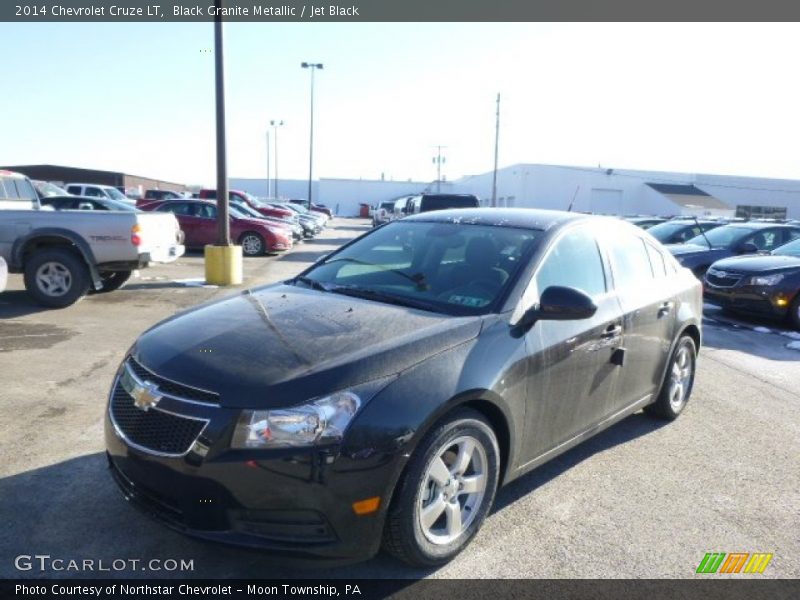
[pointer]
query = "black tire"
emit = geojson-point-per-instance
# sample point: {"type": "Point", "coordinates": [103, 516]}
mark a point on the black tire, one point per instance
{"type": "Point", "coordinates": [404, 534]}
{"type": "Point", "coordinates": [794, 312]}
{"type": "Point", "coordinates": [666, 406]}
{"type": "Point", "coordinates": [252, 244]}
{"type": "Point", "coordinates": [112, 280]}
{"type": "Point", "coordinates": [57, 262]}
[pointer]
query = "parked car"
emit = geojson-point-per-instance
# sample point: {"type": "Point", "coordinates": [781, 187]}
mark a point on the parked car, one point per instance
{"type": "Point", "coordinates": [677, 231]}
{"type": "Point", "coordinates": [645, 222]}
{"type": "Point", "coordinates": [699, 252]}
{"type": "Point", "coordinates": [317, 208]}
{"type": "Point", "coordinates": [98, 191]}
{"type": "Point", "coordinates": [293, 226]}
{"type": "Point", "coordinates": [198, 219]}
{"type": "Point", "coordinates": [64, 254]}
{"type": "Point", "coordinates": [386, 392]}
{"type": "Point", "coordinates": [46, 189]}
{"type": "Point", "coordinates": [151, 195]}
{"type": "Point", "coordinates": [766, 285]}
{"type": "Point", "coordinates": [311, 221]}
{"type": "Point", "coordinates": [264, 208]}
{"type": "Point", "coordinates": [382, 213]}
{"type": "Point", "coordinates": [85, 203]}
{"type": "Point", "coordinates": [400, 208]}
{"type": "Point", "coordinates": [428, 202]}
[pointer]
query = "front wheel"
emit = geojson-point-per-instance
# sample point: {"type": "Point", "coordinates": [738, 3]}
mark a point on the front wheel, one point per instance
{"type": "Point", "coordinates": [677, 386]}
{"type": "Point", "coordinates": [252, 244]}
{"type": "Point", "coordinates": [446, 492]}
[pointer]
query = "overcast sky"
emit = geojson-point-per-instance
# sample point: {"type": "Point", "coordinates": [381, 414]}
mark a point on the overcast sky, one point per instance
{"type": "Point", "coordinates": [139, 98]}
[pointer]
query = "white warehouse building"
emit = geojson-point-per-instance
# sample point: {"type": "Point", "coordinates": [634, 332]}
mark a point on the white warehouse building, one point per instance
{"type": "Point", "coordinates": [585, 189]}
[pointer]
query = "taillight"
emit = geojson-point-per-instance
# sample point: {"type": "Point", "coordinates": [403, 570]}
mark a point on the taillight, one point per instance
{"type": "Point", "coordinates": [136, 239]}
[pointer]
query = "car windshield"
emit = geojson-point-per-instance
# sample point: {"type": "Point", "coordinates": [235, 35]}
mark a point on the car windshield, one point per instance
{"type": "Point", "coordinates": [48, 190]}
{"type": "Point", "coordinates": [790, 249]}
{"type": "Point", "coordinates": [721, 237]}
{"type": "Point", "coordinates": [242, 210]}
{"type": "Point", "coordinates": [115, 194]}
{"type": "Point", "coordinates": [663, 231]}
{"type": "Point", "coordinates": [443, 267]}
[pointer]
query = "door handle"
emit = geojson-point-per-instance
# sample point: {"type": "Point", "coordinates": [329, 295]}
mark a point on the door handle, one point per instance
{"type": "Point", "coordinates": [664, 309]}
{"type": "Point", "coordinates": [611, 332]}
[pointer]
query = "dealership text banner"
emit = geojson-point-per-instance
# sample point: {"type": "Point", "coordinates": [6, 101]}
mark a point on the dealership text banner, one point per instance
{"type": "Point", "coordinates": [399, 10]}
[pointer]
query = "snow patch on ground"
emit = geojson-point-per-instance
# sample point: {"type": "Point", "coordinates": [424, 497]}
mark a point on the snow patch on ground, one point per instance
{"type": "Point", "coordinates": [795, 335]}
{"type": "Point", "coordinates": [793, 345]}
{"type": "Point", "coordinates": [762, 330]}
{"type": "Point", "coordinates": [707, 306]}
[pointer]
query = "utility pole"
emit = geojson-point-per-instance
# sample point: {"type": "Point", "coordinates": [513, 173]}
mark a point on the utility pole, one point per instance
{"type": "Point", "coordinates": [438, 160]}
{"type": "Point", "coordinates": [312, 67]}
{"type": "Point", "coordinates": [496, 148]}
{"type": "Point", "coordinates": [269, 181]}
{"type": "Point", "coordinates": [223, 222]}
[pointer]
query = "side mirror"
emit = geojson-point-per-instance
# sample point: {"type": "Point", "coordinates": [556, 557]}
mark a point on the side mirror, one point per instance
{"type": "Point", "coordinates": [748, 248]}
{"type": "Point", "coordinates": [560, 304]}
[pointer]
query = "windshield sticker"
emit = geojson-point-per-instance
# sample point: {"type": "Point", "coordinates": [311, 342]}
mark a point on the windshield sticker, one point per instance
{"type": "Point", "coordinates": [467, 301]}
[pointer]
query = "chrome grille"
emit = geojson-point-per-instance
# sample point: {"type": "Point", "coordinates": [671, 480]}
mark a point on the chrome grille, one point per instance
{"type": "Point", "coordinates": [172, 388]}
{"type": "Point", "coordinates": [152, 430]}
{"type": "Point", "coordinates": [719, 278]}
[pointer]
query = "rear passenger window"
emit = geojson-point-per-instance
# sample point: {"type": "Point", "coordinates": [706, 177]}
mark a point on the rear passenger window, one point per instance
{"type": "Point", "coordinates": [74, 189]}
{"type": "Point", "coordinates": [25, 189]}
{"type": "Point", "coordinates": [574, 261]}
{"type": "Point", "coordinates": [630, 260]}
{"type": "Point", "coordinates": [11, 189]}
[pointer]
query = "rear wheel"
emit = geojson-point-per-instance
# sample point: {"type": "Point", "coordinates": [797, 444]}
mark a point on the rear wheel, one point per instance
{"type": "Point", "coordinates": [446, 492]}
{"type": "Point", "coordinates": [113, 280]}
{"type": "Point", "coordinates": [56, 277]}
{"type": "Point", "coordinates": [677, 386]}
{"type": "Point", "coordinates": [252, 244]}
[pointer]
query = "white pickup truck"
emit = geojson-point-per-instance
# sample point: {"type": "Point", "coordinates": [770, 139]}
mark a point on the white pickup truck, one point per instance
{"type": "Point", "coordinates": [66, 254]}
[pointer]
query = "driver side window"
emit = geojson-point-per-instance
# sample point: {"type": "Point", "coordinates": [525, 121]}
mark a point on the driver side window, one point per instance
{"type": "Point", "coordinates": [574, 261]}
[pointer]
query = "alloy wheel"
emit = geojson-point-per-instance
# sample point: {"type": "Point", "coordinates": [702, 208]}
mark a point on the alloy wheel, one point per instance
{"type": "Point", "coordinates": [53, 279]}
{"type": "Point", "coordinates": [680, 378]}
{"type": "Point", "coordinates": [251, 245]}
{"type": "Point", "coordinates": [452, 489]}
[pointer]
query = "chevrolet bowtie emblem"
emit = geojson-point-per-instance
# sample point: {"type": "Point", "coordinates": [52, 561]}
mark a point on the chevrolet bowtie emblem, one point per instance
{"type": "Point", "coordinates": [145, 395]}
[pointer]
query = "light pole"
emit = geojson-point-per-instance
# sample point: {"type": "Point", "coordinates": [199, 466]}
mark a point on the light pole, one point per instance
{"type": "Point", "coordinates": [275, 125]}
{"type": "Point", "coordinates": [269, 180]}
{"type": "Point", "coordinates": [496, 147]}
{"type": "Point", "coordinates": [438, 161]}
{"type": "Point", "coordinates": [313, 67]}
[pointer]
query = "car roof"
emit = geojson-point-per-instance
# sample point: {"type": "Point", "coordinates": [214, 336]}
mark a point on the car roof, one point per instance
{"type": "Point", "coordinates": [526, 218]}
{"type": "Point", "coordinates": [761, 225]}
{"type": "Point", "coordinates": [14, 174]}
{"type": "Point", "coordinates": [100, 185]}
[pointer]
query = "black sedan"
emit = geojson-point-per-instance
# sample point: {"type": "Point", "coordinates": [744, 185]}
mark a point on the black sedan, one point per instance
{"type": "Point", "coordinates": [679, 230]}
{"type": "Point", "coordinates": [765, 285]}
{"type": "Point", "coordinates": [385, 393]}
{"type": "Point", "coordinates": [699, 252]}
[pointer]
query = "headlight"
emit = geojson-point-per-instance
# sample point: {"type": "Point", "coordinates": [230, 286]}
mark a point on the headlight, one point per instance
{"type": "Point", "coordinates": [318, 422]}
{"type": "Point", "coordinates": [765, 280]}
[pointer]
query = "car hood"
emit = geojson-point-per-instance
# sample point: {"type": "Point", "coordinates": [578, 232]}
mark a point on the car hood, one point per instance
{"type": "Point", "coordinates": [763, 263]}
{"type": "Point", "coordinates": [282, 345]}
{"type": "Point", "coordinates": [681, 249]}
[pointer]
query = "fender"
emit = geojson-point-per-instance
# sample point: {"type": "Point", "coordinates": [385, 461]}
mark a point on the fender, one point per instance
{"type": "Point", "coordinates": [18, 249]}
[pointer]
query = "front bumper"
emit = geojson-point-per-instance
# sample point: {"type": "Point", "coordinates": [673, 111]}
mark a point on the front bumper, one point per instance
{"type": "Point", "coordinates": [294, 502]}
{"type": "Point", "coordinates": [762, 301]}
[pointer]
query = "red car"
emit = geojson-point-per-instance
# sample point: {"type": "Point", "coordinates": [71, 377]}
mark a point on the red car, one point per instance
{"type": "Point", "coordinates": [198, 220]}
{"type": "Point", "coordinates": [251, 201]}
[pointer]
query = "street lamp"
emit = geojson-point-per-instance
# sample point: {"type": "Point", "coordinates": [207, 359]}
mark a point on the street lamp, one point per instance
{"type": "Point", "coordinates": [313, 67]}
{"type": "Point", "coordinates": [275, 125]}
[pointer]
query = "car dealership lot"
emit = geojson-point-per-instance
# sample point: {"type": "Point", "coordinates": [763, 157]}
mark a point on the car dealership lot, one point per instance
{"type": "Point", "coordinates": [643, 499]}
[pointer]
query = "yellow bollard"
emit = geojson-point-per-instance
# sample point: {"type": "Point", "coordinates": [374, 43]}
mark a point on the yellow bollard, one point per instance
{"type": "Point", "coordinates": [223, 265]}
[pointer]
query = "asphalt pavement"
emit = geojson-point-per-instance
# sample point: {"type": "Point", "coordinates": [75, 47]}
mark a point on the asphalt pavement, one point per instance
{"type": "Point", "coordinates": [642, 499]}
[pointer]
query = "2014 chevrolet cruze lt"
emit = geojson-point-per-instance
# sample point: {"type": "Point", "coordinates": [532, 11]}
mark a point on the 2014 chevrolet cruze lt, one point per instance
{"type": "Point", "coordinates": [383, 395]}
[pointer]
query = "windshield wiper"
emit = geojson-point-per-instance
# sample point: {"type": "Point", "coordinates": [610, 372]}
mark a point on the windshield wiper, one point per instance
{"type": "Point", "coordinates": [312, 283]}
{"type": "Point", "coordinates": [367, 294]}
{"type": "Point", "coordinates": [418, 279]}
